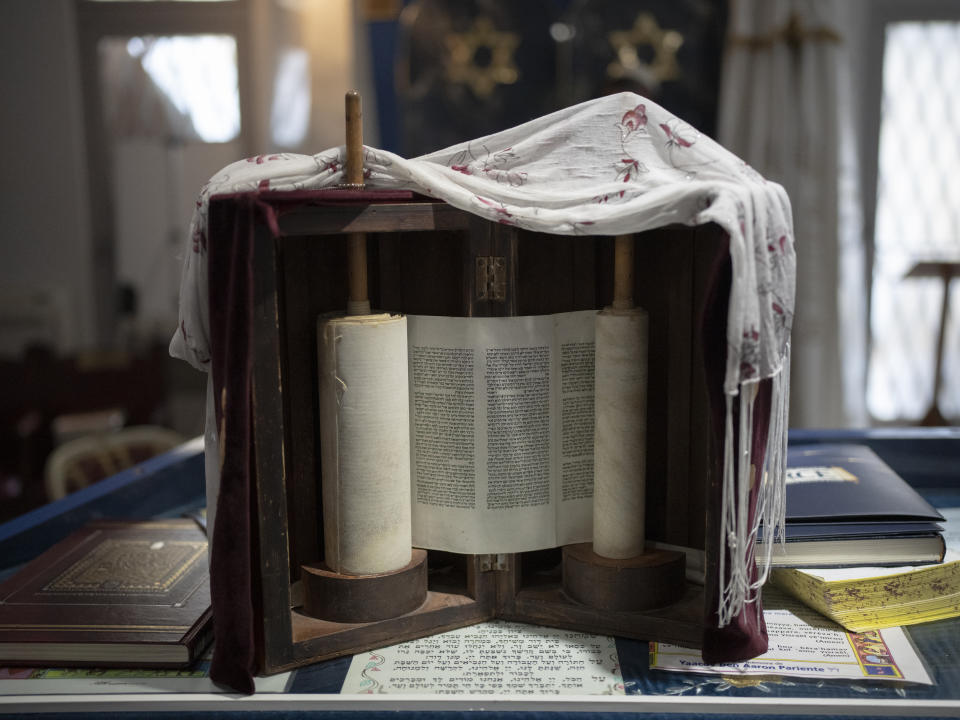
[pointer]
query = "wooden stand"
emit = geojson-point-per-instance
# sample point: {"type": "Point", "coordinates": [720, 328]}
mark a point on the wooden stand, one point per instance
{"type": "Point", "coordinates": [650, 580]}
{"type": "Point", "coordinates": [424, 258]}
{"type": "Point", "coordinates": [364, 598]}
{"type": "Point", "coordinates": [946, 271]}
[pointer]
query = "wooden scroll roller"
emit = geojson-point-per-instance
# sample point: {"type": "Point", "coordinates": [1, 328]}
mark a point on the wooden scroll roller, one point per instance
{"type": "Point", "coordinates": [617, 571]}
{"type": "Point", "coordinates": [369, 571]}
{"type": "Point", "coordinates": [359, 301]}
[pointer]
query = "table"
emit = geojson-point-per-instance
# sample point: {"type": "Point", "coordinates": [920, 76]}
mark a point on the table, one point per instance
{"type": "Point", "coordinates": [173, 484]}
{"type": "Point", "coordinates": [946, 271]}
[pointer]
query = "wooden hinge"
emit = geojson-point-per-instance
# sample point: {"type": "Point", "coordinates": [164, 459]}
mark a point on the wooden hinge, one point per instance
{"type": "Point", "coordinates": [491, 278]}
{"type": "Point", "coordinates": [491, 563]}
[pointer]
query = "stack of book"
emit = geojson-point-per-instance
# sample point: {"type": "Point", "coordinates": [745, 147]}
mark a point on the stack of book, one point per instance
{"type": "Point", "coordinates": [846, 507]}
{"type": "Point", "coordinates": [862, 547]}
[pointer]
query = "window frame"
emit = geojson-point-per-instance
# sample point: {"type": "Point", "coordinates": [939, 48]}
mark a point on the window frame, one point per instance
{"type": "Point", "coordinates": [877, 15]}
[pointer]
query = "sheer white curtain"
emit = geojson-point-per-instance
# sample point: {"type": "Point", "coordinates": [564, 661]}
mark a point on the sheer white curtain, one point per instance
{"type": "Point", "coordinates": [784, 109]}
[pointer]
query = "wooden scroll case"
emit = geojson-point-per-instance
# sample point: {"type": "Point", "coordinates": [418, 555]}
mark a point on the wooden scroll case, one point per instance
{"type": "Point", "coordinates": [426, 257]}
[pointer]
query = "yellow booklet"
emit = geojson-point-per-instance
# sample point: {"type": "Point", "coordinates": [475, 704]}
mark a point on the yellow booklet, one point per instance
{"type": "Point", "coordinates": [863, 599]}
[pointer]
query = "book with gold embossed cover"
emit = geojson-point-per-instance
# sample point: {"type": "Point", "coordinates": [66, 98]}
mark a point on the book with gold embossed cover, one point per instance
{"type": "Point", "coordinates": [115, 593]}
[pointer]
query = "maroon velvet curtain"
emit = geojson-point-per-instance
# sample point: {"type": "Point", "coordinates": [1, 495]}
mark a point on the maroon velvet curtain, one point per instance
{"type": "Point", "coordinates": [230, 274]}
{"type": "Point", "coordinates": [746, 636]}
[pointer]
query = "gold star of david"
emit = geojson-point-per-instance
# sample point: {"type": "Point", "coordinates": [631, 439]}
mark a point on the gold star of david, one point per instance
{"type": "Point", "coordinates": [645, 31]}
{"type": "Point", "coordinates": [462, 66]}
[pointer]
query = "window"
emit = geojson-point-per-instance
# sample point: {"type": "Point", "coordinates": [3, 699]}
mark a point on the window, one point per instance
{"type": "Point", "coordinates": [916, 219]}
{"type": "Point", "coordinates": [195, 74]}
{"type": "Point", "coordinates": [165, 105]}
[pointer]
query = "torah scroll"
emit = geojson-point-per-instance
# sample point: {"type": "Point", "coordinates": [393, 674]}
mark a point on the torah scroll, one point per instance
{"type": "Point", "coordinates": [621, 429]}
{"type": "Point", "coordinates": [365, 442]}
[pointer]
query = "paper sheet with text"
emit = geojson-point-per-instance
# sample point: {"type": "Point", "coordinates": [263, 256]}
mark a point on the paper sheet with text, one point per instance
{"type": "Point", "coordinates": [805, 644]}
{"type": "Point", "coordinates": [492, 658]}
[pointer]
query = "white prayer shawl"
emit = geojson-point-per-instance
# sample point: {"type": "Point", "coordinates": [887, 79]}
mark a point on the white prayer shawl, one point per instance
{"type": "Point", "coordinates": [619, 164]}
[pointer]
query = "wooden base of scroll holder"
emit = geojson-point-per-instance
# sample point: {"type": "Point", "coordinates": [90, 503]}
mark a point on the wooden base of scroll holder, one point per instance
{"type": "Point", "coordinates": [650, 580]}
{"type": "Point", "coordinates": [328, 595]}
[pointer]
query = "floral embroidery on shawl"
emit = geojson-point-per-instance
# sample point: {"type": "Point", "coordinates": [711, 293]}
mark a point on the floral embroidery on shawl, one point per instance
{"type": "Point", "coordinates": [497, 166]}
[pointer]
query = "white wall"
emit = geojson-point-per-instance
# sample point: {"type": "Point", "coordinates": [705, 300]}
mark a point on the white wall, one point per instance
{"type": "Point", "coordinates": [45, 243]}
